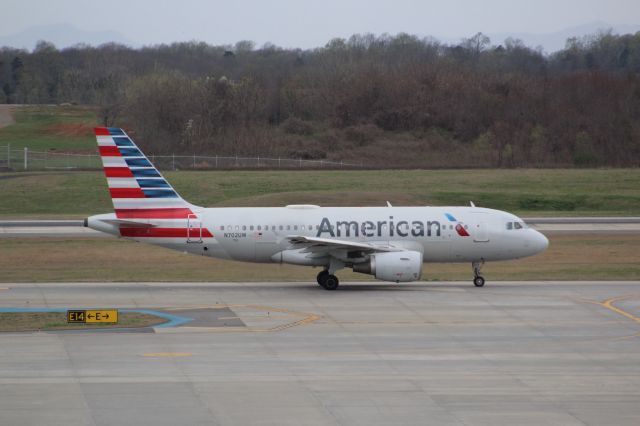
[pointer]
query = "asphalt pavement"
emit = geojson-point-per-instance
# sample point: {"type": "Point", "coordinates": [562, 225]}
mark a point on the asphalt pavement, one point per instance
{"type": "Point", "coordinates": [526, 353]}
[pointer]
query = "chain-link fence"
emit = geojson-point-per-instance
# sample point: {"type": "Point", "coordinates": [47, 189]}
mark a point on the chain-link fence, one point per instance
{"type": "Point", "coordinates": [27, 159]}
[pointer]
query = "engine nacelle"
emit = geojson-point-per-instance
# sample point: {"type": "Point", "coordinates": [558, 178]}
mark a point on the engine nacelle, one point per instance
{"type": "Point", "coordinates": [396, 266]}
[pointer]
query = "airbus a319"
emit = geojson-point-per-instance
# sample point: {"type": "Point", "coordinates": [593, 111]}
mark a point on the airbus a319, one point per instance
{"type": "Point", "coordinates": [389, 243]}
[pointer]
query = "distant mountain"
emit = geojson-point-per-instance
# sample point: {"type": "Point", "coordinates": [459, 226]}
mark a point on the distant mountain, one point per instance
{"type": "Point", "coordinates": [65, 35]}
{"type": "Point", "coordinates": [62, 35]}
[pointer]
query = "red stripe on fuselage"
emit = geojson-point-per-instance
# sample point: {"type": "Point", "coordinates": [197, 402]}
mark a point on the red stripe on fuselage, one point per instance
{"type": "Point", "coordinates": [101, 131]}
{"type": "Point", "coordinates": [177, 213]}
{"type": "Point", "coordinates": [116, 172]}
{"type": "Point", "coordinates": [109, 151]}
{"type": "Point", "coordinates": [164, 232]}
{"type": "Point", "coordinates": [126, 193]}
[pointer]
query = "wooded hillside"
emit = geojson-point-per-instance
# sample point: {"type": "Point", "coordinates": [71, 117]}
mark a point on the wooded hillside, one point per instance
{"type": "Point", "coordinates": [388, 101]}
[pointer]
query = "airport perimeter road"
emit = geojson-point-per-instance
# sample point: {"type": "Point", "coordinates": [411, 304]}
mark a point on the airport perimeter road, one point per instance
{"type": "Point", "coordinates": [546, 225]}
{"type": "Point", "coordinates": [534, 353]}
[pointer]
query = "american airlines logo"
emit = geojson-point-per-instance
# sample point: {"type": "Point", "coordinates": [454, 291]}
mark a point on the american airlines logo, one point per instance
{"type": "Point", "coordinates": [401, 228]}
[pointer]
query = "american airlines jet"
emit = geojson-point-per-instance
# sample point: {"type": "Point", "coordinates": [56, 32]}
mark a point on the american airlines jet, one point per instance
{"type": "Point", "coordinates": [389, 243]}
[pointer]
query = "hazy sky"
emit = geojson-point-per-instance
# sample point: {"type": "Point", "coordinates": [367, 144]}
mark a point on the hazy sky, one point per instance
{"type": "Point", "coordinates": [300, 23]}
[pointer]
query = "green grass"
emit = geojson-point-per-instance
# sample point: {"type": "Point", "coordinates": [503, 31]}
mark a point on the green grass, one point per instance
{"type": "Point", "coordinates": [59, 128]}
{"type": "Point", "coordinates": [569, 257]}
{"type": "Point", "coordinates": [36, 321]}
{"type": "Point", "coordinates": [527, 192]}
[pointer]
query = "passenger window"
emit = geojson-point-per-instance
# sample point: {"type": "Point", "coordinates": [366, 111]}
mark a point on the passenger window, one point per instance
{"type": "Point", "coordinates": [288, 227]}
{"type": "Point", "coordinates": [251, 228]}
{"type": "Point", "coordinates": [237, 227]}
{"type": "Point", "coordinates": [302, 227]}
{"type": "Point", "coordinates": [295, 227]}
{"type": "Point", "coordinates": [244, 227]}
{"type": "Point", "coordinates": [259, 228]}
{"type": "Point", "coordinates": [281, 227]}
{"type": "Point", "coordinates": [509, 226]}
{"type": "Point", "coordinates": [222, 228]}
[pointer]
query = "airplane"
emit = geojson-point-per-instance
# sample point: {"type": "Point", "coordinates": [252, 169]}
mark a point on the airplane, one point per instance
{"type": "Point", "coordinates": [389, 243]}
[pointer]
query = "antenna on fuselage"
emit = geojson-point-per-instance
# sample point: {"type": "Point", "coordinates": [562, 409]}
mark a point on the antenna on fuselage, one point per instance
{"type": "Point", "coordinates": [389, 204]}
{"type": "Point", "coordinates": [472, 205]}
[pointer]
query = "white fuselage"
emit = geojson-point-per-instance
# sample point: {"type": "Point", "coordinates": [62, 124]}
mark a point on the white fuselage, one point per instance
{"type": "Point", "coordinates": [262, 234]}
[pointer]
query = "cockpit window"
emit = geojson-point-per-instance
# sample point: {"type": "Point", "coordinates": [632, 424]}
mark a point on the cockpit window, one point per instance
{"type": "Point", "coordinates": [516, 225]}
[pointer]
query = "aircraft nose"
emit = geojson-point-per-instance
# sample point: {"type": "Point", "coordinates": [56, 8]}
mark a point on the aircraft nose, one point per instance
{"type": "Point", "coordinates": [540, 242]}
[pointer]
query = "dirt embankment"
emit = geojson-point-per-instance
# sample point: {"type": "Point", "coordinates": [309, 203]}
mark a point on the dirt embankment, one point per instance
{"type": "Point", "coordinates": [6, 117]}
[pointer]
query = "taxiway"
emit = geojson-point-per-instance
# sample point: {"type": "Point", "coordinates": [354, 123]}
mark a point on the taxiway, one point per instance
{"type": "Point", "coordinates": [552, 353]}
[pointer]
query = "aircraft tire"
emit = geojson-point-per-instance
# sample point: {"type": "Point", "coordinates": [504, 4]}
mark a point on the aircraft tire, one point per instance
{"type": "Point", "coordinates": [331, 282]}
{"type": "Point", "coordinates": [478, 281]}
{"type": "Point", "coordinates": [322, 275]}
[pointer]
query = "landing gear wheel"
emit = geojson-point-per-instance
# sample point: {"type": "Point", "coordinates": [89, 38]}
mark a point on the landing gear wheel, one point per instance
{"type": "Point", "coordinates": [331, 282]}
{"type": "Point", "coordinates": [322, 275]}
{"type": "Point", "coordinates": [478, 281]}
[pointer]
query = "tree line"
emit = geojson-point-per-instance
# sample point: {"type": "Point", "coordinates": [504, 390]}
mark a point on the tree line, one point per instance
{"type": "Point", "coordinates": [387, 101]}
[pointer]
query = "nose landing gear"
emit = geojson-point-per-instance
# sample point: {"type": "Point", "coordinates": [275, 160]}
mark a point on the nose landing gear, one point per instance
{"type": "Point", "coordinates": [478, 280]}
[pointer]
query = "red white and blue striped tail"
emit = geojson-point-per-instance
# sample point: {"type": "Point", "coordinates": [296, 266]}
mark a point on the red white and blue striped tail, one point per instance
{"type": "Point", "coordinates": [137, 188]}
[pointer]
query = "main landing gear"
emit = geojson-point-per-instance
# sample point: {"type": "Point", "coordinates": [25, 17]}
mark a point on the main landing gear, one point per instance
{"type": "Point", "coordinates": [328, 281]}
{"type": "Point", "coordinates": [478, 280]}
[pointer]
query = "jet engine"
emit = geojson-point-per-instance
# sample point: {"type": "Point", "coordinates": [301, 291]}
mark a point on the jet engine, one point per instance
{"type": "Point", "coordinates": [396, 266]}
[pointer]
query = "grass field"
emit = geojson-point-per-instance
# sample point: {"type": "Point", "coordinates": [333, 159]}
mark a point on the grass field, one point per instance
{"type": "Point", "coordinates": [58, 128]}
{"type": "Point", "coordinates": [527, 192]}
{"type": "Point", "coordinates": [569, 257]}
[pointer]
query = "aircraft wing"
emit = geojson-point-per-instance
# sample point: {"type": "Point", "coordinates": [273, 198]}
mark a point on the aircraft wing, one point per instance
{"type": "Point", "coordinates": [319, 244]}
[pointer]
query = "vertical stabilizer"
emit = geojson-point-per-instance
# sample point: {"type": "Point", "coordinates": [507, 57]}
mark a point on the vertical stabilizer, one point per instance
{"type": "Point", "coordinates": [137, 188]}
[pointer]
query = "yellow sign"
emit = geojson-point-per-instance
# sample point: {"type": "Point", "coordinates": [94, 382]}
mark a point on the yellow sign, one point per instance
{"type": "Point", "coordinates": [93, 316]}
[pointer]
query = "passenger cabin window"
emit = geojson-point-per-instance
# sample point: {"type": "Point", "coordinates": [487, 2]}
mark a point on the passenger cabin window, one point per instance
{"type": "Point", "coordinates": [222, 228]}
{"type": "Point", "coordinates": [251, 228]}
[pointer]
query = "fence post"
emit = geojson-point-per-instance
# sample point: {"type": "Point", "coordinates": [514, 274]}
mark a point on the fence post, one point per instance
{"type": "Point", "coordinates": [300, 163]}
{"type": "Point", "coordinates": [173, 162]}
{"type": "Point", "coordinates": [194, 161]}
{"type": "Point", "coordinates": [216, 161]}
{"type": "Point", "coordinates": [8, 156]}
{"type": "Point", "coordinates": [278, 161]}
{"type": "Point", "coordinates": [25, 157]}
